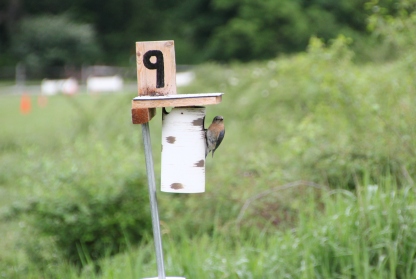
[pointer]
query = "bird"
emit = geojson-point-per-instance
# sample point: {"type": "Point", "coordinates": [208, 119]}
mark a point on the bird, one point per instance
{"type": "Point", "coordinates": [214, 135]}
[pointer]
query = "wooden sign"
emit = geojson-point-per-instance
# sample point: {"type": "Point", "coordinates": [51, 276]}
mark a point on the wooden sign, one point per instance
{"type": "Point", "coordinates": [156, 79]}
{"type": "Point", "coordinates": [156, 68]}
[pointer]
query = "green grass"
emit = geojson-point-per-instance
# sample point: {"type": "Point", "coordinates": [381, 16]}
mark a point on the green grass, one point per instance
{"type": "Point", "coordinates": [355, 237]}
{"type": "Point", "coordinates": [314, 179]}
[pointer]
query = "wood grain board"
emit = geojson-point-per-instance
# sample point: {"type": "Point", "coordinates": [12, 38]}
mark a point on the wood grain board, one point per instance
{"type": "Point", "coordinates": [178, 100]}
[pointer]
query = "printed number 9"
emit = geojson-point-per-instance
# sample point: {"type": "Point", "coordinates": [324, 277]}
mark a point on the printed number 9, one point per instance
{"type": "Point", "coordinates": [158, 65]}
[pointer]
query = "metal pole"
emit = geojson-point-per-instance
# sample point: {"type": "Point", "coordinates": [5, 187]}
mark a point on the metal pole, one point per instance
{"type": "Point", "coordinates": [153, 200]}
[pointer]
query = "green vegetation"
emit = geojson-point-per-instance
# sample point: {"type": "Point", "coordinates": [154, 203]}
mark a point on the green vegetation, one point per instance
{"type": "Point", "coordinates": [45, 42]}
{"type": "Point", "coordinates": [204, 30]}
{"type": "Point", "coordinates": [314, 179]}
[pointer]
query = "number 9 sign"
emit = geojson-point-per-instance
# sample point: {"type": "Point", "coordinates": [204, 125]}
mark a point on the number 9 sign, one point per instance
{"type": "Point", "coordinates": [156, 68]}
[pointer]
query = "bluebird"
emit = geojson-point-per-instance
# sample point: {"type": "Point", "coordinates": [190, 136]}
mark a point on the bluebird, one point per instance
{"type": "Point", "coordinates": [214, 135]}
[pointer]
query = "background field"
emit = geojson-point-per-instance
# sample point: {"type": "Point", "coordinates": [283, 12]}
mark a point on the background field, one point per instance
{"type": "Point", "coordinates": [314, 179]}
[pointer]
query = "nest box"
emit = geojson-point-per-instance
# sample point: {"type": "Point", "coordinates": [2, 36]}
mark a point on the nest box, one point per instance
{"type": "Point", "coordinates": [183, 132]}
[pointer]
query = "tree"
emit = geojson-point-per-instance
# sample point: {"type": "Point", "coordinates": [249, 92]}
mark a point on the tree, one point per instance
{"type": "Point", "coordinates": [49, 41]}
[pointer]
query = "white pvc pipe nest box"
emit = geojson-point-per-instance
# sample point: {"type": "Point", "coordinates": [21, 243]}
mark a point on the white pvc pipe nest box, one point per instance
{"type": "Point", "coordinates": [183, 150]}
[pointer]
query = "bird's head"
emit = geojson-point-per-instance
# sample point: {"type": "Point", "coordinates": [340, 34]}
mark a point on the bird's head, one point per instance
{"type": "Point", "coordinates": [218, 119]}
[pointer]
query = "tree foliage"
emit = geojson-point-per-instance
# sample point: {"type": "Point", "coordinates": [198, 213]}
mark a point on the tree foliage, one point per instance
{"type": "Point", "coordinates": [48, 41]}
{"type": "Point", "coordinates": [221, 30]}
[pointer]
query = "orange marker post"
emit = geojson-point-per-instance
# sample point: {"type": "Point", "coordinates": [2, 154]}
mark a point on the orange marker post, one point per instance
{"type": "Point", "coordinates": [25, 104]}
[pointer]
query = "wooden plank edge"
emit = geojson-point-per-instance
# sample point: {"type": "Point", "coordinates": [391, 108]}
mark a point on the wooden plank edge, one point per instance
{"type": "Point", "coordinates": [176, 96]}
{"type": "Point", "coordinates": [142, 115]}
{"type": "Point", "coordinates": [158, 103]}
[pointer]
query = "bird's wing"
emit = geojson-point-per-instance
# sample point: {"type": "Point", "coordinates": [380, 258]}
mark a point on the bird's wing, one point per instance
{"type": "Point", "coordinates": [219, 140]}
{"type": "Point", "coordinates": [206, 143]}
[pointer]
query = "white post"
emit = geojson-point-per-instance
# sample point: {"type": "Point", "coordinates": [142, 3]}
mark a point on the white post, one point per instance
{"type": "Point", "coordinates": [20, 77]}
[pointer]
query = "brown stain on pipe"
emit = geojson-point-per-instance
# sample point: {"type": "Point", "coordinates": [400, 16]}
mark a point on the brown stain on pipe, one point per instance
{"type": "Point", "coordinates": [199, 164]}
{"type": "Point", "coordinates": [198, 121]}
{"type": "Point", "coordinates": [176, 186]}
{"type": "Point", "coordinates": [171, 139]}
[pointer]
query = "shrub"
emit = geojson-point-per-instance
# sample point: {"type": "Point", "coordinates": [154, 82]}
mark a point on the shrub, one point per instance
{"type": "Point", "coordinates": [88, 226]}
{"type": "Point", "coordinates": [50, 41]}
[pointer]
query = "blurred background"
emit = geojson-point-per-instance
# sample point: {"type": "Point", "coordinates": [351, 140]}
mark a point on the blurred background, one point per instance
{"type": "Point", "coordinates": [55, 39]}
{"type": "Point", "coordinates": [315, 176]}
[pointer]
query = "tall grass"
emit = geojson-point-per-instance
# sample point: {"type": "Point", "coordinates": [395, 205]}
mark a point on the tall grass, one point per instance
{"type": "Point", "coordinates": [368, 235]}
